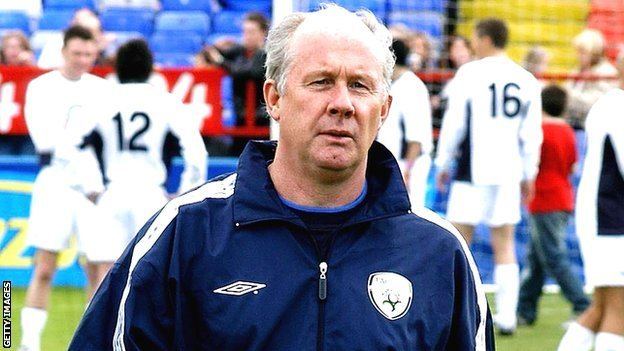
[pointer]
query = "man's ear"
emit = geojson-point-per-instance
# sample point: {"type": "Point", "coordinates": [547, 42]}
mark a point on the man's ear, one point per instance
{"type": "Point", "coordinates": [385, 109]}
{"type": "Point", "coordinates": [272, 99]}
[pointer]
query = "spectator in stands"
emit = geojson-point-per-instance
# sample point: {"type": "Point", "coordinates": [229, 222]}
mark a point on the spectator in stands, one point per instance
{"type": "Point", "coordinates": [459, 52]}
{"type": "Point", "coordinates": [51, 56]}
{"type": "Point", "coordinates": [550, 210]}
{"type": "Point", "coordinates": [536, 60]}
{"type": "Point", "coordinates": [16, 50]}
{"type": "Point", "coordinates": [421, 52]}
{"type": "Point", "coordinates": [245, 63]}
{"type": "Point", "coordinates": [590, 47]}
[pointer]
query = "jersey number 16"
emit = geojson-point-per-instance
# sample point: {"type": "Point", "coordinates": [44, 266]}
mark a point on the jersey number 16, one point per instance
{"type": "Point", "coordinates": [511, 104]}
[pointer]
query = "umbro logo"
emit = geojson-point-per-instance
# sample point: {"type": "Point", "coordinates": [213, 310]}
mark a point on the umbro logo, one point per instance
{"type": "Point", "coordinates": [240, 288]}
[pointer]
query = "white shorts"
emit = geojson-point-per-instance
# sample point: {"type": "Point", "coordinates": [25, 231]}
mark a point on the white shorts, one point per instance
{"type": "Point", "coordinates": [494, 205]}
{"type": "Point", "coordinates": [602, 259]}
{"type": "Point", "coordinates": [57, 212]}
{"type": "Point", "coordinates": [419, 175]}
{"type": "Point", "coordinates": [126, 208]}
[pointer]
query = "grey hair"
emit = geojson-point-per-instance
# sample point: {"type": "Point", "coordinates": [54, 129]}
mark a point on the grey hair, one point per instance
{"type": "Point", "coordinates": [279, 42]}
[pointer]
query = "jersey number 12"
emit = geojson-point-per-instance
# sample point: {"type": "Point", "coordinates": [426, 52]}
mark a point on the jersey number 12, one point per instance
{"type": "Point", "coordinates": [134, 144]}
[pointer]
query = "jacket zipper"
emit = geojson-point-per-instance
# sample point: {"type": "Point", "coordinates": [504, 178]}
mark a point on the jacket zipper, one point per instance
{"type": "Point", "coordinates": [322, 294]}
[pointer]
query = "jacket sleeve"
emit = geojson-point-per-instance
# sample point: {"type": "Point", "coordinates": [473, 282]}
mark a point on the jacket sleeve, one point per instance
{"type": "Point", "coordinates": [135, 306]}
{"type": "Point", "coordinates": [472, 322]}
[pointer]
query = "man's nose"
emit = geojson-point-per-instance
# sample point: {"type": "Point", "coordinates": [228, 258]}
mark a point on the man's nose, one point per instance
{"type": "Point", "coordinates": [341, 104]}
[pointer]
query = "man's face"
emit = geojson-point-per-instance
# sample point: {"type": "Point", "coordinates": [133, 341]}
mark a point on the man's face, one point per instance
{"type": "Point", "coordinates": [79, 56]}
{"type": "Point", "coordinates": [253, 35]}
{"type": "Point", "coordinates": [333, 103]}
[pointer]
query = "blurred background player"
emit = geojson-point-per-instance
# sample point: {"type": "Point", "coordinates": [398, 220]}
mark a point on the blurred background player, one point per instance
{"type": "Point", "coordinates": [133, 123]}
{"type": "Point", "coordinates": [407, 131]}
{"type": "Point", "coordinates": [492, 127]}
{"type": "Point", "coordinates": [245, 64]}
{"type": "Point", "coordinates": [600, 227]}
{"type": "Point", "coordinates": [52, 100]}
{"type": "Point", "coordinates": [549, 211]}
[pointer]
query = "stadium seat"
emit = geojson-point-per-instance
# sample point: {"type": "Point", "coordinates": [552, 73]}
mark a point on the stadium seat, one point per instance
{"type": "Point", "coordinates": [249, 5]}
{"type": "Point", "coordinates": [186, 5]}
{"type": "Point", "coordinates": [378, 7]}
{"type": "Point", "coordinates": [141, 4]}
{"type": "Point", "coordinates": [431, 23]}
{"type": "Point", "coordinates": [228, 21]}
{"type": "Point", "coordinates": [40, 37]}
{"type": "Point", "coordinates": [183, 21]}
{"type": "Point", "coordinates": [174, 59]}
{"type": "Point", "coordinates": [67, 4]}
{"type": "Point", "coordinates": [214, 37]}
{"type": "Point", "coordinates": [128, 20]}
{"type": "Point", "coordinates": [14, 20]}
{"type": "Point", "coordinates": [55, 19]}
{"type": "Point", "coordinates": [417, 5]}
{"type": "Point", "coordinates": [189, 44]}
{"type": "Point", "coordinates": [120, 38]}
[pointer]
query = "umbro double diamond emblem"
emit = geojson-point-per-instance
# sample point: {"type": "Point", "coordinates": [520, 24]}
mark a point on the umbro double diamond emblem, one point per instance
{"type": "Point", "coordinates": [240, 288]}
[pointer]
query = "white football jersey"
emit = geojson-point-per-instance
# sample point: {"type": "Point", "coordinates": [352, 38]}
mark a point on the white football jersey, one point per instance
{"type": "Point", "coordinates": [492, 125]}
{"type": "Point", "coordinates": [409, 118]}
{"type": "Point", "coordinates": [54, 102]}
{"type": "Point", "coordinates": [133, 128]}
{"type": "Point", "coordinates": [600, 197]}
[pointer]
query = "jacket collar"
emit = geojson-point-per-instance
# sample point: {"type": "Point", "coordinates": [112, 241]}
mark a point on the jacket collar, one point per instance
{"type": "Point", "coordinates": [255, 198]}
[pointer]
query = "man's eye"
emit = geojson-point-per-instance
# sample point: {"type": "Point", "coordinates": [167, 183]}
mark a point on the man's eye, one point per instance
{"type": "Point", "coordinates": [358, 85]}
{"type": "Point", "coordinates": [321, 82]}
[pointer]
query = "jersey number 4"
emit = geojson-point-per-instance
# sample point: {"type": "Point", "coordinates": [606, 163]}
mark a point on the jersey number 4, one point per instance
{"type": "Point", "coordinates": [511, 104]}
{"type": "Point", "coordinates": [134, 144]}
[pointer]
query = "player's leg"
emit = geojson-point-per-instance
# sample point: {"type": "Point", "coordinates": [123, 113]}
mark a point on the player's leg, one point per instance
{"type": "Point", "coordinates": [580, 334]}
{"type": "Point", "coordinates": [34, 314]}
{"type": "Point", "coordinates": [533, 278]}
{"type": "Point", "coordinates": [465, 207]}
{"type": "Point", "coordinates": [96, 272]}
{"type": "Point", "coordinates": [466, 230]}
{"type": "Point", "coordinates": [96, 234]}
{"type": "Point", "coordinates": [506, 277]}
{"type": "Point", "coordinates": [49, 229]}
{"type": "Point", "coordinates": [503, 212]}
{"type": "Point", "coordinates": [610, 337]}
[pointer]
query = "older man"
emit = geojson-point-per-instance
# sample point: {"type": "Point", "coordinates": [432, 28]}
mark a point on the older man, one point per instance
{"type": "Point", "coordinates": [311, 244]}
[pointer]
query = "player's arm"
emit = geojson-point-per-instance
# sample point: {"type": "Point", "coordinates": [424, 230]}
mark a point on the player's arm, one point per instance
{"type": "Point", "coordinates": [453, 127]}
{"type": "Point", "coordinates": [135, 306]}
{"type": "Point", "coordinates": [192, 149]}
{"type": "Point", "coordinates": [530, 135]}
{"type": "Point", "coordinates": [417, 120]}
{"type": "Point", "coordinates": [36, 114]}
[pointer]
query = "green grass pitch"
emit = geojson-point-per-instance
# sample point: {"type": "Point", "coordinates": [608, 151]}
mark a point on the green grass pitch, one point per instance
{"type": "Point", "coordinates": [67, 305]}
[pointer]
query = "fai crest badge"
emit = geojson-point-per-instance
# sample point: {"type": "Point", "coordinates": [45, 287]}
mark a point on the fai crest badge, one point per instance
{"type": "Point", "coordinates": [390, 293]}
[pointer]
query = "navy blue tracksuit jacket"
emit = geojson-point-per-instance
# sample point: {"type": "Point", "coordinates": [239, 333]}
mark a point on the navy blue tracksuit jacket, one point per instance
{"type": "Point", "coordinates": [228, 266]}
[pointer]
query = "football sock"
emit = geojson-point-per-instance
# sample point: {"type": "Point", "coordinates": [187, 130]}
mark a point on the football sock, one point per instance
{"type": "Point", "coordinates": [577, 338]}
{"type": "Point", "coordinates": [507, 279]}
{"type": "Point", "coordinates": [33, 321]}
{"type": "Point", "coordinates": [609, 342]}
